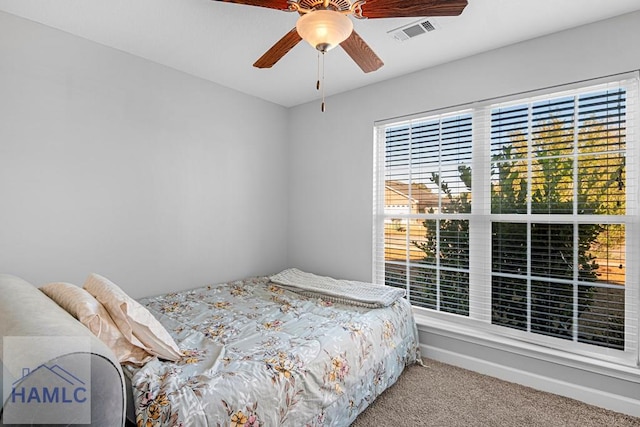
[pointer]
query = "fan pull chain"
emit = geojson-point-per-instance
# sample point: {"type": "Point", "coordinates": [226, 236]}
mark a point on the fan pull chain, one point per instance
{"type": "Point", "coordinates": [322, 108]}
{"type": "Point", "coordinates": [320, 81]}
{"type": "Point", "coordinates": [318, 73]}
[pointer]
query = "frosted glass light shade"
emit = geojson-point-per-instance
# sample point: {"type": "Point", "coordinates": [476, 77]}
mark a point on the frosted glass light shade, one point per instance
{"type": "Point", "coordinates": [324, 29]}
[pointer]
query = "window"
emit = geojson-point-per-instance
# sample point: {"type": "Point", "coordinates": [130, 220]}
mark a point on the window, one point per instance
{"type": "Point", "coordinates": [516, 215]}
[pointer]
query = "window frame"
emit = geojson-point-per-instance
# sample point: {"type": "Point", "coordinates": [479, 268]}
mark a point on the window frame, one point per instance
{"type": "Point", "coordinates": [481, 218]}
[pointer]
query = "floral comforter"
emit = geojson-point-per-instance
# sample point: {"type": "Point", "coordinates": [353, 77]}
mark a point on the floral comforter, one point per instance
{"type": "Point", "coordinates": [256, 354]}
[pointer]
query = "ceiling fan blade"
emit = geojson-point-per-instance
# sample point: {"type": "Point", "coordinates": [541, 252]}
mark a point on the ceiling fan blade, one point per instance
{"type": "Point", "coordinates": [278, 50]}
{"type": "Point", "coordinates": [412, 8]}
{"type": "Point", "coordinates": [361, 53]}
{"type": "Point", "coordinates": [271, 4]}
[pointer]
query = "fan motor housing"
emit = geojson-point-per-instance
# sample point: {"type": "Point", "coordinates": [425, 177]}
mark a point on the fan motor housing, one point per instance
{"type": "Point", "coordinates": [339, 5]}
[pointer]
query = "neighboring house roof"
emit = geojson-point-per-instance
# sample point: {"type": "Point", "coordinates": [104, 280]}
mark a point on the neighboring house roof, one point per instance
{"type": "Point", "coordinates": [416, 195]}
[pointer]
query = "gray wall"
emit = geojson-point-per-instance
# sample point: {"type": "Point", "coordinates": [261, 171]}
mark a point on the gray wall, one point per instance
{"type": "Point", "coordinates": [331, 193]}
{"type": "Point", "coordinates": [116, 165]}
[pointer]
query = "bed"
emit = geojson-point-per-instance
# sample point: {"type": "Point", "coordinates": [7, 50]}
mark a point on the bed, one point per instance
{"type": "Point", "coordinates": [255, 352]}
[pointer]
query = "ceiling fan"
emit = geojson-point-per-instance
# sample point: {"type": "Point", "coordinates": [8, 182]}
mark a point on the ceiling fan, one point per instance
{"type": "Point", "coordinates": [324, 24]}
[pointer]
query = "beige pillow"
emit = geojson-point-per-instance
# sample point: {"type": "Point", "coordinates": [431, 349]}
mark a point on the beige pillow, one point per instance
{"type": "Point", "coordinates": [136, 322]}
{"type": "Point", "coordinates": [84, 307]}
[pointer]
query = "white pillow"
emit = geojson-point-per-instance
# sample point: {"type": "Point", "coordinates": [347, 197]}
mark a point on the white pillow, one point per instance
{"type": "Point", "coordinates": [84, 307]}
{"type": "Point", "coordinates": [135, 322]}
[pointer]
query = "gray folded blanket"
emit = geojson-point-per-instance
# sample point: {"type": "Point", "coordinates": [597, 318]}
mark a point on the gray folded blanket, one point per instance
{"type": "Point", "coordinates": [341, 291]}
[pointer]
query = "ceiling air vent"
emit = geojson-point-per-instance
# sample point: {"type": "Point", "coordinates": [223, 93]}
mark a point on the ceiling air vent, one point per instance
{"type": "Point", "coordinates": [412, 30]}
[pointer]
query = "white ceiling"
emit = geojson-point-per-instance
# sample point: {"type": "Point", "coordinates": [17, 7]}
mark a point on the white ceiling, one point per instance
{"type": "Point", "coordinates": [220, 41]}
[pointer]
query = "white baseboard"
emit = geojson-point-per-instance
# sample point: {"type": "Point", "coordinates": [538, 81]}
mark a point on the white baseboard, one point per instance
{"type": "Point", "coordinates": [588, 395]}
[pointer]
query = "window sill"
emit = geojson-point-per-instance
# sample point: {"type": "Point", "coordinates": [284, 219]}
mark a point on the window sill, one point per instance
{"type": "Point", "coordinates": [437, 326]}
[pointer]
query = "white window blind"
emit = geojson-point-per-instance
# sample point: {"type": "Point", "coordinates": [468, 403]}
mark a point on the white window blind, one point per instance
{"type": "Point", "coordinates": [541, 246]}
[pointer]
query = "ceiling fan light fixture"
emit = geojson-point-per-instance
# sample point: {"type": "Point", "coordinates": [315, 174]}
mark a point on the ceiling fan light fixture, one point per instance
{"type": "Point", "coordinates": [324, 29]}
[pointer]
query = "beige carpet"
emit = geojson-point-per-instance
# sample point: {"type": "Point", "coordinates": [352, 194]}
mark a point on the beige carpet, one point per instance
{"type": "Point", "coordinates": [448, 396]}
